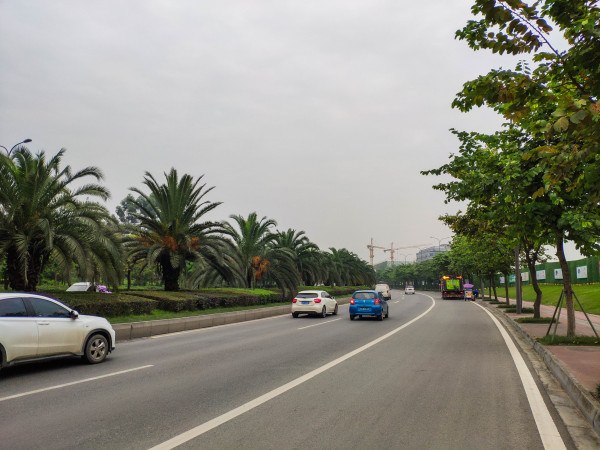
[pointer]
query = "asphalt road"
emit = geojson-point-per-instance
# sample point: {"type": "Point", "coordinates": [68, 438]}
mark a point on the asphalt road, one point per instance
{"type": "Point", "coordinates": [436, 374]}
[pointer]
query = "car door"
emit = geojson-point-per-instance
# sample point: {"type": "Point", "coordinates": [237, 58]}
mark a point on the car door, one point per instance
{"type": "Point", "coordinates": [57, 331]}
{"type": "Point", "coordinates": [328, 301]}
{"type": "Point", "coordinates": [18, 331]}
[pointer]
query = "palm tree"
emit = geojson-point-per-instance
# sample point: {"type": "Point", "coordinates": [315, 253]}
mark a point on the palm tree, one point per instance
{"type": "Point", "coordinates": [169, 232]}
{"type": "Point", "coordinates": [309, 260]}
{"type": "Point", "coordinates": [348, 269]}
{"type": "Point", "coordinates": [258, 255]}
{"type": "Point", "coordinates": [42, 216]}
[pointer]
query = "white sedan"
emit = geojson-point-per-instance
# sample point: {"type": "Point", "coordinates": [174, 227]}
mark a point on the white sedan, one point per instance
{"type": "Point", "coordinates": [34, 327]}
{"type": "Point", "coordinates": [316, 303]}
{"type": "Point", "coordinates": [409, 290]}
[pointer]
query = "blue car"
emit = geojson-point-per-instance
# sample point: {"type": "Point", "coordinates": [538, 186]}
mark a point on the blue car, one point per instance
{"type": "Point", "coordinates": [368, 303]}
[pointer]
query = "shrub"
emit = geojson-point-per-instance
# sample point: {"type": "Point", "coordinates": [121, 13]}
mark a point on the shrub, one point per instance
{"type": "Point", "coordinates": [513, 309]}
{"type": "Point", "coordinates": [535, 320]}
{"type": "Point", "coordinates": [105, 305]}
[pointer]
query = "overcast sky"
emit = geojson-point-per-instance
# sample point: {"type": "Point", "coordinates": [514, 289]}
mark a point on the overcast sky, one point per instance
{"type": "Point", "coordinates": [318, 114]}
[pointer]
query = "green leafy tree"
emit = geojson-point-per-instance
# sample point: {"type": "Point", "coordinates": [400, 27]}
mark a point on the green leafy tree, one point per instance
{"type": "Point", "coordinates": [554, 104]}
{"type": "Point", "coordinates": [170, 230]}
{"type": "Point", "coordinates": [45, 213]}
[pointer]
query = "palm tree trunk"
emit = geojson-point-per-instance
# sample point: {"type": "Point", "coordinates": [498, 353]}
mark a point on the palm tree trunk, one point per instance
{"type": "Point", "coordinates": [16, 278]}
{"type": "Point", "coordinates": [170, 275]}
{"type": "Point", "coordinates": [560, 253]}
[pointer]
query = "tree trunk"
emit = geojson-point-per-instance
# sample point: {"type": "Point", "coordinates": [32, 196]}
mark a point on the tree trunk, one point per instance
{"type": "Point", "coordinates": [560, 253]}
{"type": "Point", "coordinates": [128, 279]}
{"type": "Point", "coordinates": [534, 282]}
{"type": "Point", "coordinates": [490, 288]}
{"type": "Point", "coordinates": [16, 278]}
{"type": "Point", "coordinates": [506, 284]}
{"type": "Point", "coordinates": [494, 287]}
{"type": "Point", "coordinates": [170, 275]}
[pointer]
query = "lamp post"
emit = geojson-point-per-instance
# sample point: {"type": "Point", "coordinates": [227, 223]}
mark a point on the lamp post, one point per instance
{"type": "Point", "coordinates": [440, 241]}
{"type": "Point", "coordinates": [8, 152]}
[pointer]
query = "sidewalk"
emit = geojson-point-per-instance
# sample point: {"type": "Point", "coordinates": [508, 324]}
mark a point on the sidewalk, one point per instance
{"type": "Point", "coordinates": [576, 367]}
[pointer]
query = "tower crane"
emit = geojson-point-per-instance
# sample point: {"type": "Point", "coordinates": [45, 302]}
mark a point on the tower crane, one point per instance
{"type": "Point", "coordinates": [392, 249]}
{"type": "Point", "coordinates": [371, 246]}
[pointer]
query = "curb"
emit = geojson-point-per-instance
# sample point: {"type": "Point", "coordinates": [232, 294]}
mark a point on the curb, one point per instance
{"type": "Point", "coordinates": [136, 330]}
{"type": "Point", "coordinates": [588, 405]}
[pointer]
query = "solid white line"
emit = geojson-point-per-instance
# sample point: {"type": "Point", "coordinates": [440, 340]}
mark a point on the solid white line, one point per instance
{"type": "Point", "coordinates": [317, 324]}
{"type": "Point", "coordinates": [549, 434]}
{"type": "Point", "coordinates": [86, 380]}
{"type": "Point", "coordinates": [207, 426]}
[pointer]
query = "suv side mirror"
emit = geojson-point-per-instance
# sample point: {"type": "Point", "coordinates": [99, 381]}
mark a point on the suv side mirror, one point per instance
{"type": "Point", "coordinates": [74, 314]}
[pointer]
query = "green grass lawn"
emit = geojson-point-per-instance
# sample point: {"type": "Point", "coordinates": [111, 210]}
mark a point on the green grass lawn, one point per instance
{"type": "Point", "coordinates": [588, 294]}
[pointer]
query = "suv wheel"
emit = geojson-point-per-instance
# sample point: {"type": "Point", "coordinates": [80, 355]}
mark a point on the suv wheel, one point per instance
{"type": "Point", "coordinates": [96, 349]}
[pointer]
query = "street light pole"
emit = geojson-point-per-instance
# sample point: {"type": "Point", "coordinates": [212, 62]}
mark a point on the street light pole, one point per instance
{"type": "Point", "coordinates": [8, 152]}
{"type": "Point", "coordinates": [440, 241]}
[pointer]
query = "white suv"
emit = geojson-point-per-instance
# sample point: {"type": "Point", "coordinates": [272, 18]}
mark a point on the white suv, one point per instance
{"type": "Point", "coordinates": [409, 290]}
{"type": "Point", "coordinates": [385, 289]}
{"type": "Point", "coordinates": [34, 327]}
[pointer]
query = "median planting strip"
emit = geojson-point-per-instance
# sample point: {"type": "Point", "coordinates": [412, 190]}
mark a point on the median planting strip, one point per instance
{"type": "Point", "coordinates": [135, 330]}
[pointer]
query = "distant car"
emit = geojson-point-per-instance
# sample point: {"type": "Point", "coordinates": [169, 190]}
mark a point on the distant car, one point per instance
{"type": "Point", "coordinates": [409, 290]}
{"type": "Point", "coordinates": [385, 289]}
{"type": "Point", "coordinates": [368, 303]}
{"type": "Point", "coordinates": [82, 286]}
{"type": "Point", "coordinates": [34, 327]}
{"type": "Point", "coordinates": [315, 303]}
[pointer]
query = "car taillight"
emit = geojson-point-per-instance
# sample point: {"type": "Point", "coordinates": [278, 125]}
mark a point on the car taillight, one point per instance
{"type": "Point", "coordinates": [377, 302]}
{"type": "Point", "coordinates": [461, 292]}
{"type": "Point", "coordinates": [295, 300]}
{"type": "Point", "coordinates": [317, 300]}
{"type": "Point", "coordinates": [352, 302]}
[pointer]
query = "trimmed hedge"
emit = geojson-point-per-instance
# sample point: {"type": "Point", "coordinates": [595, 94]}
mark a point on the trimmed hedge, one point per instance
{"type": "Point", "coordinates": [105, 305]}
{"type": "Point", "coordinates": [145, 301]}
{"type": "Point", "coordinates": [335, 290]}
{"type": "Point", "coordinates": [210, 299]}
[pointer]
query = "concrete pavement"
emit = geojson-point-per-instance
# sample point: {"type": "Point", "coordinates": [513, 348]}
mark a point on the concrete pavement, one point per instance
{"type": "Point", "coordinates": [577, 368]}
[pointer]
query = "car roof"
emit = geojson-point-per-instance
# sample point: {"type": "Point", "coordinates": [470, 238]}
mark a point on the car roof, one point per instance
{"type": "Point", "coordinates": [19, 294]}
{"type": "Point", "coordinates": [367, 290]}
{"type": "Point", "coordinates": [25, 294]}
{"type": "Point", "coordinates": [314, 291]}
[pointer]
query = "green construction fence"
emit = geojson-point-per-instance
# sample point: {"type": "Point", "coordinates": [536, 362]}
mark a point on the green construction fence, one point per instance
{"type": "Point", "coordinates": [583, 271]}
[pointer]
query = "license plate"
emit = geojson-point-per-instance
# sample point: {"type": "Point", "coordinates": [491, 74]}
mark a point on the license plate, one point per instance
{"type": "Point", "coordinates": [364, 309]}
{"type": "Point", "coordinates": [305, 303]}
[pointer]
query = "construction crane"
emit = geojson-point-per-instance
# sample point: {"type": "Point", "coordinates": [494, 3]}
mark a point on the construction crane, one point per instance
{"type": "Point", "coordinates": [392, 249]}
{"type": "Point", "coordinates": [371, 246]}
